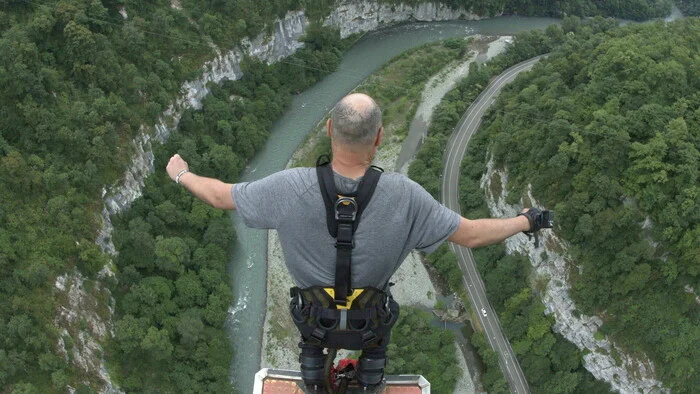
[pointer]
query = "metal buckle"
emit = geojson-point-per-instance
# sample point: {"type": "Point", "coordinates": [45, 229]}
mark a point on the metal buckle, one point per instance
{"type": "Point", "coordinates": [344, 202]}
{"type": "Point", "coordinates": [368, 337]}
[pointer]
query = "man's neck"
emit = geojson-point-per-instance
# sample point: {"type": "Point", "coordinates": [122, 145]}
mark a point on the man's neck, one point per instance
{"type": "Point", "coordinates": [351, 164]}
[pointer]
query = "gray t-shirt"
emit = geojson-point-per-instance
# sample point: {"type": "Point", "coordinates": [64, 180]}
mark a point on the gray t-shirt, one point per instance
{"type": "Point", "coordinates": [400, 217]}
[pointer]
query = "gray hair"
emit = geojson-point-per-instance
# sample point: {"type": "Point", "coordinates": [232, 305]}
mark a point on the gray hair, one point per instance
{"type": "Point", "coordinates": [356, 119]}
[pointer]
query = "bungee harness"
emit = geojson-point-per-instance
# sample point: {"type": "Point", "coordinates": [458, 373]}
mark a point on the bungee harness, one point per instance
{"type": "Point", "coordinates": [343, 317]}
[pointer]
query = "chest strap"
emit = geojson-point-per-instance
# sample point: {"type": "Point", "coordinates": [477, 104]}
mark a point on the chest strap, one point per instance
{"type": "Point", "coordinates": [343, 214]}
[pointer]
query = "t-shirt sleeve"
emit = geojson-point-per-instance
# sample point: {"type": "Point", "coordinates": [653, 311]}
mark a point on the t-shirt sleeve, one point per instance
{"type": "Point", "coordinates": [263, 203]}
{"type": "Point", "coordinates": [434, 222]}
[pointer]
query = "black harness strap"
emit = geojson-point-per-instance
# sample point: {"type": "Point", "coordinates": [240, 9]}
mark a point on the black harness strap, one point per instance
{"type": "Point", "coordinates": [325, 181]}
{"type": "Point", "coordinates": [342, 218]}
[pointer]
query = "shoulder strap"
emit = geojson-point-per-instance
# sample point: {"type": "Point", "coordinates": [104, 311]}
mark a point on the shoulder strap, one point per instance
{"type": "Point", "coordinates": [365, 190]}
{"type": "Point", "coordinates": [341, 215]}
{"type": "Point", "coordinates": [330, 195]}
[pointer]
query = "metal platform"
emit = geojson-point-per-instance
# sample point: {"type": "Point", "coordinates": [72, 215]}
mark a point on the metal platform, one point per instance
{"type": "Point", "coordinates": [280, 381]}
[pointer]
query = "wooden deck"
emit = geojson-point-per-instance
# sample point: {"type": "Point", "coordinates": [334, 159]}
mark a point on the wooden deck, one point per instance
{"type": "Point", "coordinates": [279, 381]}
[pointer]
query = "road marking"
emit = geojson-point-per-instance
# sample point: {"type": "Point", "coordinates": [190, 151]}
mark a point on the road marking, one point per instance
{"type": "Point", "coordinates": [458, 142]}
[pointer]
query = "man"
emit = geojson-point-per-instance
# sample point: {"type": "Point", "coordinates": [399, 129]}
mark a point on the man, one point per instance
{"type": "Point", "coordinates": [400, 216]}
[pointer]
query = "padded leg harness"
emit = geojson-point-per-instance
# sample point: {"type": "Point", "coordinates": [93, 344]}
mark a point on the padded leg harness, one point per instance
{"type": "Point", "coordinates": [312, 363]}
{"type": "Point", "coordinates": [370, 371]}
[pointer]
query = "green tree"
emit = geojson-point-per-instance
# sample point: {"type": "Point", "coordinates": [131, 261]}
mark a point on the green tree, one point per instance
{"type": "Point", "coordinates": [172, 254]}
{"type": "Point", "coordinates": [157, 344]}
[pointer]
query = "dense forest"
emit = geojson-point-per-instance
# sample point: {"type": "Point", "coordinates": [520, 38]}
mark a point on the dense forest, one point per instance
{"type": "Point", "coordinates": [173, 289]}
{"type": "Point", "coordinates": [419, 348]}
{"type": "Point", "coordinates": [634, 10]}
{"type": "Point", "coordinates": [78, 80]}
{"type": "Point", "coordinates": [626, 9]}
{"type": "Point", "coordinates": [621, 171]}
{"type": "Point", "coordinates": [607, 132]}
{"type": "Point", "coordinates": [689, 7]}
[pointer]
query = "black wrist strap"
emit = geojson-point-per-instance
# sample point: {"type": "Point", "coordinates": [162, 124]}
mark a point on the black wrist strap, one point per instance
{"type": "Point", "coordinates": [530, 220]}
{"type": "Point", "coordinates": [530, 215]}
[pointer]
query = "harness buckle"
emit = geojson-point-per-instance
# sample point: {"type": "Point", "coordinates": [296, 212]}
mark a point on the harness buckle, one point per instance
{"type": "Point", "coordinates": [344, 238]}
{"type": "Point", "coordinates": [369, 337]}
{"type": "Point", "coordinates": [346, 209]}
{"type": "Point", "coordinates": [342, 303]}
{"type": "Point", "coordinates": [343, 244]}
{"type": "Point", "coordinates": [317, 336]}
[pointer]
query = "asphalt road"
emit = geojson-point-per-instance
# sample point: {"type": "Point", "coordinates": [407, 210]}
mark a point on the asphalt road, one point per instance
{"type": "Point", "coordinates": [456, 147]}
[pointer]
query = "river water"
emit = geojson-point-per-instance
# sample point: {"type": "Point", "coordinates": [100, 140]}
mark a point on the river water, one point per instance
{"type": "Point", "coordinates": [248, 264]}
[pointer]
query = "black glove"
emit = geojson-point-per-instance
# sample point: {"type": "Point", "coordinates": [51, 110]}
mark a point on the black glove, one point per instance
{"type": "Point", "coordinates": [538, 219]}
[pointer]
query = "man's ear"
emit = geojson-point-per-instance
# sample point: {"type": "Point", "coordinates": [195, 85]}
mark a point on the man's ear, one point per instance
{"type": "Point", "coordinates": [329, 124]}
{"type": "Point", "coordinates": [380, 133]}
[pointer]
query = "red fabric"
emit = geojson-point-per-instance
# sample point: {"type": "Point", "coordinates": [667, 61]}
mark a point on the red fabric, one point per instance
{"type": "Point", "coordinates": [343, 366]}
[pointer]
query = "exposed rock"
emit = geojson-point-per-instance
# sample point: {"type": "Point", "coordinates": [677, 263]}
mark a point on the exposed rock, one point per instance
{"type": "Point", "coordinates": [283, 43]}
{"type": "Point", "coordinates": [628, 374]}
{"type": "Point", "coordinates": [361, 16]}
{"type": "Point", "coordinates": [690, 290]}
{"type": "Point", "coordinates": [83, 327]}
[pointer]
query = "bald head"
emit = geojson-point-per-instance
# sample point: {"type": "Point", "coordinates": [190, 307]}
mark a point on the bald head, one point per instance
{"type": "Point", "coordinates": [356, 120]}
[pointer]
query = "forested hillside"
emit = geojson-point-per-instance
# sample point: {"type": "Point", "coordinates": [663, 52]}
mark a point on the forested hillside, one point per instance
{"type": "Point", "coordinates": [626, 9]}
{"type": "Point", "coordinates": [689, 7]}
{"type": "Point", "coordinates": [607, 132]}
{"type": "Point", "coordinates": [550, 363]}
{"type": "Point", "coordinates": [78, 80]}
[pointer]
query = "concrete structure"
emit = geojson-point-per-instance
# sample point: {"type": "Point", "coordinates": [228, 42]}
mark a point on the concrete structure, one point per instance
{"type": "Point", "coordinates": [280, 381]}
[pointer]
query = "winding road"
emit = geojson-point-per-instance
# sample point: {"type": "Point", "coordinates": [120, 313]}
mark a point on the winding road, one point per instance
{"type": "Point", "coordinates": [456, 148]}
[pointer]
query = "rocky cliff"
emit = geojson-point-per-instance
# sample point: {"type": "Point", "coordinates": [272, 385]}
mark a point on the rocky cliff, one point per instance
{"type": "Point", "coordinates": [352, 17]}
{"type": "Point", "coordinates": [604, 359]}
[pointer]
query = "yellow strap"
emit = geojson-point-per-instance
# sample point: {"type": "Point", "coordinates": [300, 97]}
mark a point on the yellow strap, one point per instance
{"type": "Point", "coordinates": [355, 293]}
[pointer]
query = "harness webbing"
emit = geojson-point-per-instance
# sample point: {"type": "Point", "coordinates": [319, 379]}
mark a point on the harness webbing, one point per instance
{"type": "Point", "coordinates": [342, 218]}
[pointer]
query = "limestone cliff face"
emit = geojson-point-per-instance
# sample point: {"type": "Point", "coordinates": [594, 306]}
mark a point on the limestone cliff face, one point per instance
{"type": "Point", "coordinates": [361, 16]}
{"type": "Point", "coordinates": [627, 374]}
{"type": "Point", "coordinates": [118, 197]}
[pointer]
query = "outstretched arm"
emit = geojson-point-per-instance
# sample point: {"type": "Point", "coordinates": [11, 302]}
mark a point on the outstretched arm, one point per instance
{"type": "Point", "coordinates": [211, 191]}
{"type": "Point", "coordinates": [482, 232]}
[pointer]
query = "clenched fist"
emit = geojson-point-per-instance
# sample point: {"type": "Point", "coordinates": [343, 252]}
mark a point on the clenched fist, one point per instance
{"type": "Point", "coordinates": [175, 166]}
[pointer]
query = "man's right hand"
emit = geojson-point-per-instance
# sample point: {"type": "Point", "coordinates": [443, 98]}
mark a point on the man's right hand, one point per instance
{"type": "Point", "coordinates": [175, 166]}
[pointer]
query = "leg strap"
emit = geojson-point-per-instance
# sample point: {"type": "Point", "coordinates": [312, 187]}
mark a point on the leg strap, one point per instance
{"type": "Point", "coordinates": [312, 369]}
{"type": "Point", "coordinates": [312, 362]}
{"type": "Point", "coordinates": [370, 371]}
